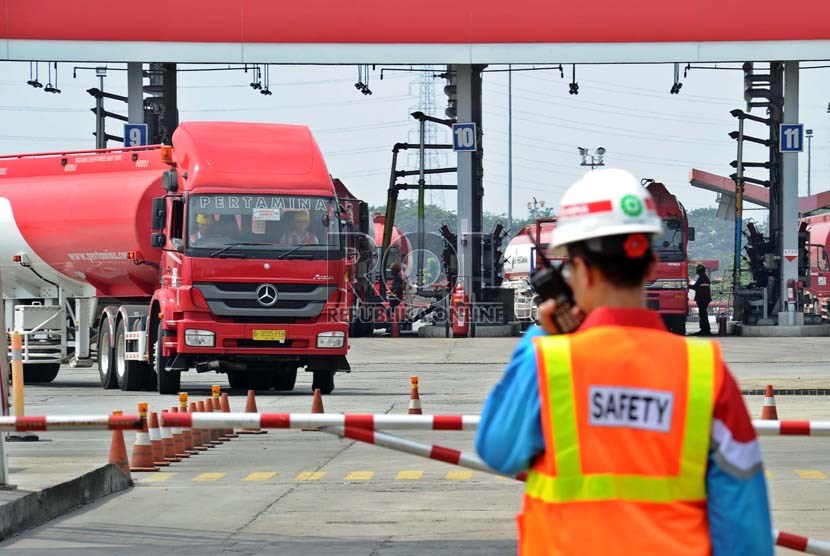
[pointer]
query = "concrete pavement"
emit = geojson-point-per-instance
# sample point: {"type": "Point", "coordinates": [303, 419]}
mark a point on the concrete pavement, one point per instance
{"type": "Point", "coordinates": [292, 492]}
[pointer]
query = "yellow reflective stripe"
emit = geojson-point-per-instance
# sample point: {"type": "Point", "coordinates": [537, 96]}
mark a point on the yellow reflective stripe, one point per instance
{"type": "Point", "coordinates": [699, 407]}
{"type": "Point", "coordinates": [571, 485]}
{"type": "Point", "coordinates": [557, 350]}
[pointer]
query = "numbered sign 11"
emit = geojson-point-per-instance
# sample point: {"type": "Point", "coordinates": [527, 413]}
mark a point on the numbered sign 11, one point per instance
{"type": "Point", "coordinates": [464, 137]}
{"type": "Point", "coordinates": [791, 138]}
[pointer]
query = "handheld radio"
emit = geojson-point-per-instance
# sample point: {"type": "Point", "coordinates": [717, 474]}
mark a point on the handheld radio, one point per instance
{"type": "Point", "coordinates": [550, 284]}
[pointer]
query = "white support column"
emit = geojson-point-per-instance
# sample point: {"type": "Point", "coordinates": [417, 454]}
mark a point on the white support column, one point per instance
{"type": "Point", "coordinates": [464, 83]}
{"type": "Point", "coordinates": [135, 93]}
{"type": "Point", "coordinates": [789, 201]}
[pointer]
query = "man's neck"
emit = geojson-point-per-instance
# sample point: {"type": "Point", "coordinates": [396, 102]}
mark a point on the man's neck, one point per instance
{"type": "Point", "coordinates": [628, 298]}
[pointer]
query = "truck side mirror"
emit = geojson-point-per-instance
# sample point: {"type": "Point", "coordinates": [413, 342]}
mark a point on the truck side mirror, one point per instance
{"type": "Point", "coordinates": [158, 240]}
{"type": "Point", "coordinates": [159, 213]}
{"type": "Point", "coordinates": [691, 233]}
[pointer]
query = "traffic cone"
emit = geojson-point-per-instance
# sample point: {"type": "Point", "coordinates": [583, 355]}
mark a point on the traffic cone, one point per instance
{"type": "Point", "coordinates": [226, 408]}
{"type": "Point", "coordinates": [168, 444]}
{"type": "Point", "coordinates": [187, 436]}
{"type": "Point", "coordinates": [198, 439]}
{"type": "Point", "coordinates": [317, 402]}
{"type": "Point", "coordinates": [213, 433]}
{"type": "Point", "coordinates": [769, 411]}
{"type": "Point", "coordinates": [250, 407]}
{"type": "Point", "coordinates": [178, 439]}
{"type": "Point", "coordinates": [414, 398]}
{"type": "Point", "coordinates": [118, 450]}
{"type": "Point", "coordinates": [142, 458]}
{"type": "Point", "coordinates": [156, 442]}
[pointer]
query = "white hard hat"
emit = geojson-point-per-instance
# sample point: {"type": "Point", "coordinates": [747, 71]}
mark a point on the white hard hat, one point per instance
{"type": "Point", "coordinates": [605, 203]}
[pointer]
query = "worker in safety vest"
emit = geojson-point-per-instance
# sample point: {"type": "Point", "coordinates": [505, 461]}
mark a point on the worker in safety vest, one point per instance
{"type": "Point", "coordinates": [637, 441]}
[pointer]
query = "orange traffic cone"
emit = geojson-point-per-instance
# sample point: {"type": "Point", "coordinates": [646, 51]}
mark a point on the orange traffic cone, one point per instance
{"type": "Point", "coordinates": [769, 411]}
{"type": "Point", "coordinates": [213, 433]}
{"type": "Point", "coordinates": [250, 407]}
{"type": "Point", "coordinates": [178, 439]}
{"type": "Point", "coordinates": [168, 444]}
{"type": "Point", "coordinates": [317, 402]}
{"type": "Point", "coordinates": [198, 438]}
{"type": "Point", "coordinates": [142, 458]}
{"type": "Point", "coordinates": [226, 408]}
{"type": "Point", "coordinates": [118, 450]}
{"type": "Point", "coordinates": [414, 398]}
{"type": "Point", "coordinates": [187, 436]}
{"type": "Point", "coordinates": [156, 442]}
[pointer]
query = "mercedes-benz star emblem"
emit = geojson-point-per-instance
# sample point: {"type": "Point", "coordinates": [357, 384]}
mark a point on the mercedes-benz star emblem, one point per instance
{"type": "Point", "coordinates": [266, 294]}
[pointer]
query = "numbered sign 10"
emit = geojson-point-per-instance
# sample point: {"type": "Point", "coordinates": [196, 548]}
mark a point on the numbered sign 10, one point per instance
{"type": "Point", "coordinates": [464, 137]}
{"type": "Point", "coordinates": [791, 138]}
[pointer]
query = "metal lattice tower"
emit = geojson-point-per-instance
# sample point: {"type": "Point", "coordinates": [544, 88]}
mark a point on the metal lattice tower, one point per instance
{"type": "Point", "coordinates": [425, 82]}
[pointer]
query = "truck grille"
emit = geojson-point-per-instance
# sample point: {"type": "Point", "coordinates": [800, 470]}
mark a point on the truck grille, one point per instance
{"type": "Point", "coordinates": [238, 300]}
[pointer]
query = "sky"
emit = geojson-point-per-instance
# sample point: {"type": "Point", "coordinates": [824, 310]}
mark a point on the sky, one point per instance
{"type": "Point", "coordinates": [625, 108]}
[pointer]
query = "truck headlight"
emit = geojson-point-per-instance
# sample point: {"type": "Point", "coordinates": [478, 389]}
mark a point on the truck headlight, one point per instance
{"type": "Point", "coordinates": [330, 340]}
{"type": "Point", "coordinates": [199, 338]}
{"type": "Point", "coordinates": [673, 284]}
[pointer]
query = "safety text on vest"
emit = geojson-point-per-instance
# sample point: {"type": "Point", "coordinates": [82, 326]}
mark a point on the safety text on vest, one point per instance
{"type": "Point", "coordinates": [613, 406]}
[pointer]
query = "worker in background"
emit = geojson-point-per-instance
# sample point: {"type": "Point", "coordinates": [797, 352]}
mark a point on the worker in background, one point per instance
{"type": "Point", "coordinates": [203, 222]}
{"type": "Point", "coordinates": [703, 297]}
{"type": "Point", "coordinates": [637, 441]}
{"type": "Point", "coordinates": [300, 235]}
{"type": "Point", "coordinates": [396, 291]}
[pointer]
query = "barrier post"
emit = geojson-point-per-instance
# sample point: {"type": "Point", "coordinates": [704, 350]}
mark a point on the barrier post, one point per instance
{"type": "Point", "coordinates": [17, 387]}
{"type": "Point", "coordinates": [4, 390]}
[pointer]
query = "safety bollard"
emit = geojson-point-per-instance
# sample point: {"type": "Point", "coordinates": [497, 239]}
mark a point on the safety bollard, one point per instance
{"type": "Point", "coordinates": [17, 387]}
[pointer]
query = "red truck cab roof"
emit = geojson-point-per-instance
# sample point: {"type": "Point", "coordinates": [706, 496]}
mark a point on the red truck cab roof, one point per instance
{"type": "Point", "coordinates": [219, 155]}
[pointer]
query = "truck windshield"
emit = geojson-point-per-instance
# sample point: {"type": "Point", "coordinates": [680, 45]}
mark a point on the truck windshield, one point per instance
{"type": "Point", "coordinates": [669, 245]}
{"type": "Point", "coordinates": [263, 226]}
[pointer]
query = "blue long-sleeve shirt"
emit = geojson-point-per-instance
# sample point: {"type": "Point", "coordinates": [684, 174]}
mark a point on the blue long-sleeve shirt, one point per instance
{"type": "Point", "coordinates": [510, 436]}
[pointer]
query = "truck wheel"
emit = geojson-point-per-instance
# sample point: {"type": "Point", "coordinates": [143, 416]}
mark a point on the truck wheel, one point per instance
{"type": "Point", "coordinates": [676, 324]}
{"type": "Point", "coordinates": [285, 378]}
{"type": "Point", "coordinates": [40, 373]}
{"type": "Point", "coordinates": [324, 380]}
{"type": "Point", "coordinates": [237, 380]}
{"type": "Point", "coordinates": [131, 375]}
{"type": "Point", "coordinates": [169, 382]}
{"type": "Point", "coordinates": [106, 370]}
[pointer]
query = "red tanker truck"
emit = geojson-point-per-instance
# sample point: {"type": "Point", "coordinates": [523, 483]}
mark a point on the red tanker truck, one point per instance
{"type": "Point", "coordinates": [222, 253]}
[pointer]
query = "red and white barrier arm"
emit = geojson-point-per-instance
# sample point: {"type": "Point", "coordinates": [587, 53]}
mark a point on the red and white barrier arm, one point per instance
{"type": "Point", "coordinates": [429, 451]}
{"type": "Point", "coordinates": [801, 544]}
{"type": "Point", "coordinates": [791, 428]}
{"type": "Point", "coordinates": [70, 423]}
{"type": "Point", "coordinates": [317, 420]}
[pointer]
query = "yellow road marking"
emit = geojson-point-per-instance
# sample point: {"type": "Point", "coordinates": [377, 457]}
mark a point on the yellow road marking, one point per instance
{"type": "Point", "coordinates": [209, 476]}
{"type": "Point", "coordinates": [260, 476]}
{"type": "Point", "coordinates": [459, 475]}
{"type": "Point", "coordinates": [810, 474]}
{"type": "Point", "coordinates": [360, 476]}
{"type": "Point", "coordinates": [156, 478]}
{"type": "Point", "coordinates": [409, 475]}
{"type": "Point", "coordinates": [310, 476]}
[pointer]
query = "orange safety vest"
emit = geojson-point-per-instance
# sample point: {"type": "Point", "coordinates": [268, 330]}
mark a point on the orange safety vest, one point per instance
{"type": "Point", "coordinates": [626, 417]}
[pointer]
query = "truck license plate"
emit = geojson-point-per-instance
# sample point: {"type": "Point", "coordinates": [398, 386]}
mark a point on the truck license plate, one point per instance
{"type": "Point", "coordinates": [269, 335]}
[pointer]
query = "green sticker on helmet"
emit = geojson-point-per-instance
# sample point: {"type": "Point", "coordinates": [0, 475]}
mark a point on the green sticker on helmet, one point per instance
{"type": "Point", "coordinates": [631, 205]}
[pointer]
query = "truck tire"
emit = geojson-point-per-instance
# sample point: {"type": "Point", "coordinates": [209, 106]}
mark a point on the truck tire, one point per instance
{"type": "Point", "coordinates": [236, 380]}
{"type": "Point", "coordinates": [131, 375]}
{"type": "Point", "coordinates": [676, 324]}
{"type": "Point", "coordinates": [168, 382]}
{"type": "Point", "coordinates": [324, 380]}
{"type": "Point", "coordinates": [106, 365]}
{"type": "Point", "coordinates": [40, 373]}
{"type": "Point", "coordinates": [285, 378]}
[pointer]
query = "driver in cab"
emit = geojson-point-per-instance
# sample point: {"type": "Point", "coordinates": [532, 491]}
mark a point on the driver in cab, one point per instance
{"type": "Point", "coordinates": [300, 235]}
{"type": "Point", "coordinates": [203, 224]}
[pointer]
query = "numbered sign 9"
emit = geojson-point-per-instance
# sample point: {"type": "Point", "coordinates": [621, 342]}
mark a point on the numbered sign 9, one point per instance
{"type": "Point", "coordinates": [791, 138]}
{"type": "Point", "coordinates": [135, 135]}
{"type": "Point", "coordinates": [464, 137]}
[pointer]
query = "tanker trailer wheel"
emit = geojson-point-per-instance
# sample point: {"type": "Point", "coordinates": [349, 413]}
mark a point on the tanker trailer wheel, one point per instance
{"type": "Point", "coordinates": [285, 378]}
{"type": "Point", "coordinates": [131, 375]}
{"type": "Point", "coordinates": [324, 380]}
{"type": "Point", "coordinates": [106, 369]}
{"type": "Point", "coordinates": [41, 373]}
{"type": "Point", "coordinates": [170, 381]}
